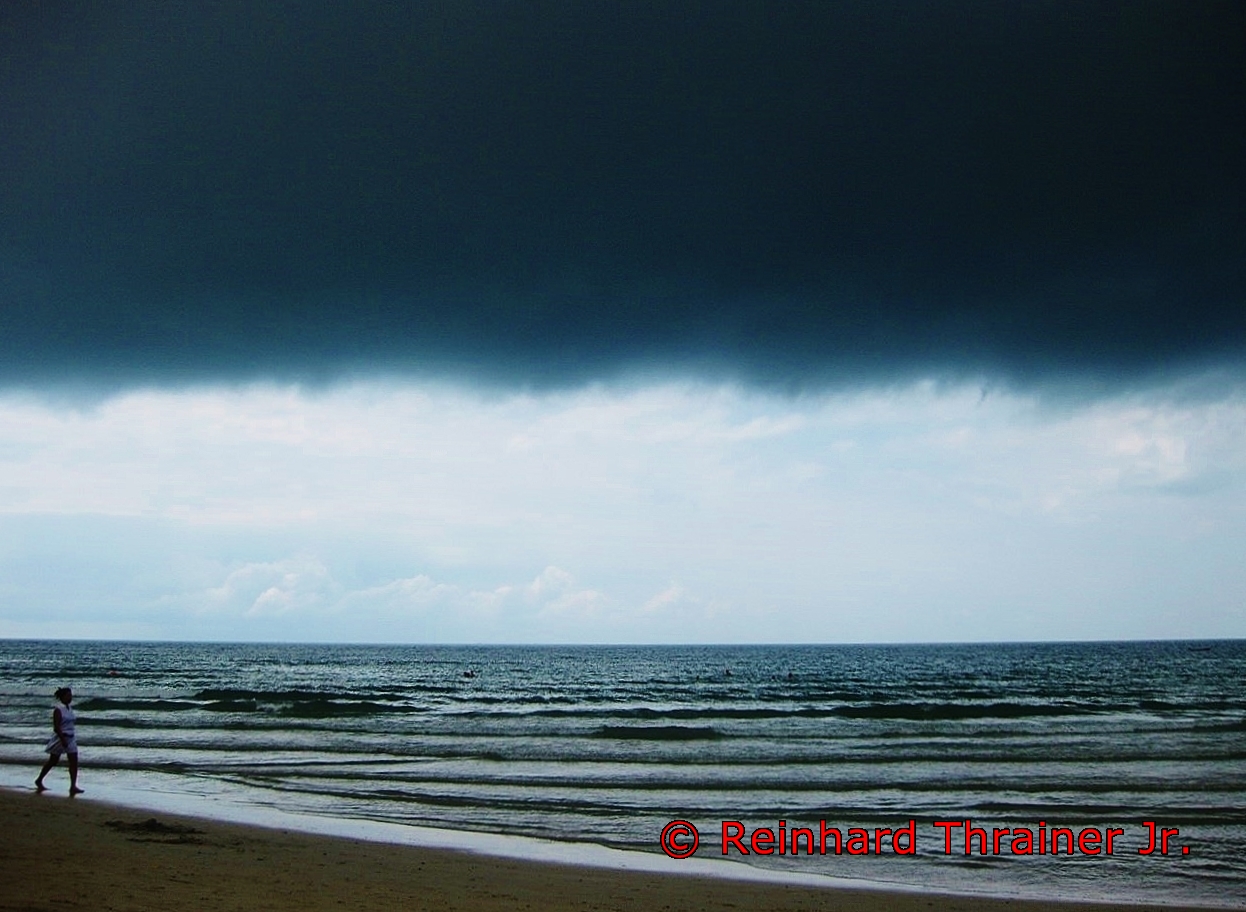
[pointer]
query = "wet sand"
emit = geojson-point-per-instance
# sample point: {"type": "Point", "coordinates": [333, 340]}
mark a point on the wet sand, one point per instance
{"type": "Point", "coordinates": [58, 854]}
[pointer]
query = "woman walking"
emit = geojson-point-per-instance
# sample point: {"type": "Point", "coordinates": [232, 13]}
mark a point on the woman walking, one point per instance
{"type": "Point", "coordinates": [63, 741]}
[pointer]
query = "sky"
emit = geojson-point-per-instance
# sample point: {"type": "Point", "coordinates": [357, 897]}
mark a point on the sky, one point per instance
{"type": "Point", "coordinates": [595, 322]}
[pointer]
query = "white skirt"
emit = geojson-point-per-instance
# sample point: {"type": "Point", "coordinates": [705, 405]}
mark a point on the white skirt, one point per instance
{"type": "Point", "coordinates": [55, 747]}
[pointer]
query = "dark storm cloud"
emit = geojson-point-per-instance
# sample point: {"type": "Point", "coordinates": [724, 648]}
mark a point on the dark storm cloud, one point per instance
{"type": "Point", "coordinates": [549, 192]}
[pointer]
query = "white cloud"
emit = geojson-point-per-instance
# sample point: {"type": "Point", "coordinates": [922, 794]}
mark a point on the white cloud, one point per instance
{"type": "Point", "coordinates": [410, 512]}
{"type": "Point", "coordinates": [256, 589]}
{"type": "Point", "coordinates": [303, 592]}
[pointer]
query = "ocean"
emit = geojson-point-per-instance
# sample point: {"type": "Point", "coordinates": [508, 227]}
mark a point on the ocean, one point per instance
{"type": "Point", "coordinates": [607, 745]}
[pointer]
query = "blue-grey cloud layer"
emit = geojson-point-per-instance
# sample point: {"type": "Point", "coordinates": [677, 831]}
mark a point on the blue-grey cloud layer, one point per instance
{"type": "Point", "coordinates": [551, 192]}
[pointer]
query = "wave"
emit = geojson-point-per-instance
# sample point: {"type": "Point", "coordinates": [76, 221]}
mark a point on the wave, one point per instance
{"type": "Point", "coordinates": [946, 712]}
{"type": "Point", "coordinates": [881, 711]}
{"type": "Point", "coordinates": [102, 704]}
{"type": "Point", "coordinates": [657, 733]}
{"type": "Point", "coordinates": [296, 696]}
{"type": "Point", "coordinates": [314, 704]}
{"type": "Point", "coordinates": [291, 703]}
{"type": "Point", "coordinates": [330, 709]}
{"type": "Point", "coordinates": [245, 706]}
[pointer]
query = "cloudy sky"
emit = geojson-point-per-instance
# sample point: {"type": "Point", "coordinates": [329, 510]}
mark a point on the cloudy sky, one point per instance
{"type": "Point", "coordinates": [601, 322]}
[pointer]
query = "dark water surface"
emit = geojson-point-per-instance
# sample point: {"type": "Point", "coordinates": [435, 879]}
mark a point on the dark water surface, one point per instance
{"type": "Point", "coordinates": [608, 744]}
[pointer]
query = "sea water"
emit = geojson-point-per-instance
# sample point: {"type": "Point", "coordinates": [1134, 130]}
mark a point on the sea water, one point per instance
{"type": "Point", "coordinates": [607, 745]}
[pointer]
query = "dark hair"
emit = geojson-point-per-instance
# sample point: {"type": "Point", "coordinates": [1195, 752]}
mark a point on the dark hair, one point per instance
{"type": "Point", "coordinates": [61, 691]}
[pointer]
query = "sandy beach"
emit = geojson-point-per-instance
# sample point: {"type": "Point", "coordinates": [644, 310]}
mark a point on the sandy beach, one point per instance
{"type": "Point", "coordinates": [58, 853]}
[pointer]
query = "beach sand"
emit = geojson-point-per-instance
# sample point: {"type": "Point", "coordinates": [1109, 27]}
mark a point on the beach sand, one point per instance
{"type": "Point", "coordinates": [59, 854]}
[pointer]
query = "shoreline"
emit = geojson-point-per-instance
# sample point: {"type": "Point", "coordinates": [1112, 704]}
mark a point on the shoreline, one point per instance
{"type": "Point", "coordinates": [131, 858]}
{"type": "Point", "coordinates": [592, 752]}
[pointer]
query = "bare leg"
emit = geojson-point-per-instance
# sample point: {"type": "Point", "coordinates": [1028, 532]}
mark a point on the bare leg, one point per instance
{"type": "Point", "coordinates": [53, 759]}
{"type": "Point", "coordinates": [73, 775]}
